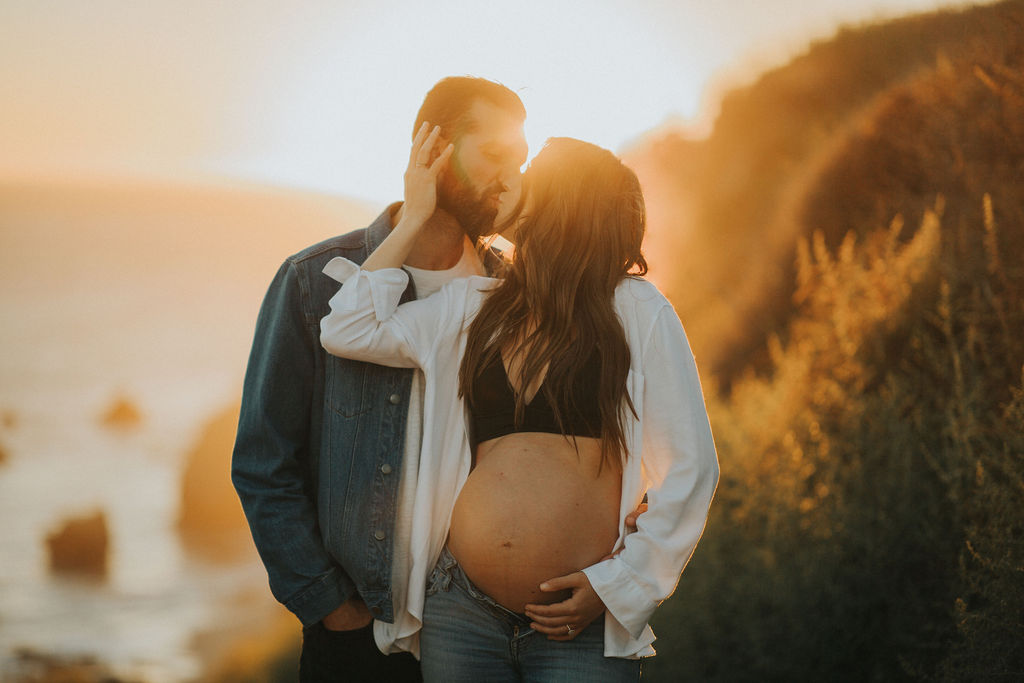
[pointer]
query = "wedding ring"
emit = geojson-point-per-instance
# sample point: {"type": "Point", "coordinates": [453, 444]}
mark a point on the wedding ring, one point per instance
{"type": "Point", "coordinates": [569, 629]}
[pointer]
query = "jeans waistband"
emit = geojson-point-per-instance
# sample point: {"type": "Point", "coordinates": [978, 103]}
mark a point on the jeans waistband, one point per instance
{"type": "Point", "coordinates": [451, 572]}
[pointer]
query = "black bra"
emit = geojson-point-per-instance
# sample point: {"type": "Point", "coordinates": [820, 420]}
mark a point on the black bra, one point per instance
{"type": "Point", "coordinates": [494, 405]}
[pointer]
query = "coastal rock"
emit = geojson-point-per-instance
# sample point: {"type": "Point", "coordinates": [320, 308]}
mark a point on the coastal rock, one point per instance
{"type": "Point", "coordinates": [32, 666]}
{"type": "Point", "coordinates": [122, 413]}
{"type": "Point", "coordinates": [80, 546]}
{"type": "Point", "coordinates": [211, 522]}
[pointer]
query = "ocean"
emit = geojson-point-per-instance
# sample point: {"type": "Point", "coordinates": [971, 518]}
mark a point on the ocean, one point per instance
{"type": "Point", "coordinates": [145, 294]}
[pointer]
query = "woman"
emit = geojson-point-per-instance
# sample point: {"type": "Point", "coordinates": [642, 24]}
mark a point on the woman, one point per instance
{"type": "Point", "coordinates": [554, 400]}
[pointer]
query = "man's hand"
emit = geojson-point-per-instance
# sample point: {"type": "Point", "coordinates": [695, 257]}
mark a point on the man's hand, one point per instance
{"type": "Point", "coordinates": [351, 615]}
{"type": "Point", "coordinates": [630, 526]}
{"type": "Point", "coordinates": [564, 620]}
{"type": "Point", "coordinates": [631, 517]}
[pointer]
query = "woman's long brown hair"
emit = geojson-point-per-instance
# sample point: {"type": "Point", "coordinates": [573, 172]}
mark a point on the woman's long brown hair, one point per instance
{"type": "Point", "coordinates": [579, 239]}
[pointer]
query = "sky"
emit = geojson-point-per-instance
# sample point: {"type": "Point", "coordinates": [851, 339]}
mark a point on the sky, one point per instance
{"type": "Point", "coordinates": [321, 95]}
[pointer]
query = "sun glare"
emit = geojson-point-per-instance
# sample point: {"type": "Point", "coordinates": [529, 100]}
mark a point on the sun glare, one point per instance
{"type": "Point", "coordinates": [582, 81]}
{"type": "Point", "coordinates": [323, 95]}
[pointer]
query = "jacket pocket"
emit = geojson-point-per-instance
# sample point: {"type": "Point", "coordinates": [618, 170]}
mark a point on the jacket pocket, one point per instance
{"type": "Point", "coordinates": [346, 388]}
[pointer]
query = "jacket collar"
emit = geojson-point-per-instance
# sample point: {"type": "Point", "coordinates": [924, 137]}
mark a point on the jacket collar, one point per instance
{"type": "Point", "coordinates": [380, 228]}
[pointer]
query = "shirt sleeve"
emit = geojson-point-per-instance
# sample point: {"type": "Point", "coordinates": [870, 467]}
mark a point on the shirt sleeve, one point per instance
{"type": "Point", "coordinates": [271, 458]}
{"type": "Point", "coordinates": [367, 324]}
{"type": "Point", "coordinates": [679, 460]}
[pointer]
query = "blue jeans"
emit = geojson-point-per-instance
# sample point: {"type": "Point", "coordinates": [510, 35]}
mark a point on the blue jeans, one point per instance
{"type": "Point", "coordinates": [469, 638]}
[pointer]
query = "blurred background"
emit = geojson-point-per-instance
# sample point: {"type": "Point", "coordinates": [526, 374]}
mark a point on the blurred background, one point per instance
{"type": "Point", "coordinates": [836, 209]}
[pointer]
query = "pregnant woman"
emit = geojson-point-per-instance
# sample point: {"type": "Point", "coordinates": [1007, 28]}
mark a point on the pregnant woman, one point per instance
{"type": "Point", "coordinates": [555, 399]}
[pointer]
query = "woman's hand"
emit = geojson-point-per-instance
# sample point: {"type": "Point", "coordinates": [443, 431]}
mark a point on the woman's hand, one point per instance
{"type": "Point", "coordinates": [420, 200]}
{"type": "Point", "coordinates": [421, 175]}
{"type": "Point", "coordinates": [564, 620]}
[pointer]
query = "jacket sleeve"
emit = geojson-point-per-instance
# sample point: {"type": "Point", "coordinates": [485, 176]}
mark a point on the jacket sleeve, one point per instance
{"type": "Point", "coordinates": [679, 461]}
{"type": "Point", "coordinates": [367, 324]}
{"type": "Point", "coordinates": [271, 463]}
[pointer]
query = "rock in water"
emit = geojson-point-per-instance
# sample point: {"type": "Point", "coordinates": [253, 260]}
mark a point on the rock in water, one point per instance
{"type": "Point", "coordinates": [121, 414]}
{"type": "Point", "coordinates": [211, 520]}
{"type": "Point", "coordinates": [80, 546]}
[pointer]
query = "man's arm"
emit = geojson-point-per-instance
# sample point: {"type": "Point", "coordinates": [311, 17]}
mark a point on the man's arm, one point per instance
{"type": "Point", "coordinates": [272, 460]}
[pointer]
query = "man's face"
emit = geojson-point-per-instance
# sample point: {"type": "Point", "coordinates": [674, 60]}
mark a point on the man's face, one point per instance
{"type": "Point", "coordinates": [484, 165]}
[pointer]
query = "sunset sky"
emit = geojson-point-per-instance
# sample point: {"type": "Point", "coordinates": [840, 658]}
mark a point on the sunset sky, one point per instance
{"type": "Point", "coordinates": [322, 95]}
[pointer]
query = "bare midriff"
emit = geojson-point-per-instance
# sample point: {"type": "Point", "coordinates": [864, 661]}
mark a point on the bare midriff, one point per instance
{"type": "Point", "coordinates": [531, 510]}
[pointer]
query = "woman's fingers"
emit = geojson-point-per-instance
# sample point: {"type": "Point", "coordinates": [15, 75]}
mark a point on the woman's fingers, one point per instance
{"type": "Point", "coordinates": [573, 580]}
{"type": "Point", "coordinates": [427, 148]}
{"type": "Point", "coordinates": [421, 174]}
{"type": "Point", "coordinates": [556, 610]}
{"type": "Point", "coordinates": [559, 632]}
{"type": "Point", "coordinates": [563, 620]}
{"type": "Point", "coordinates": [417, 143]}
{"type": "Point", "coordinates": [422, 153]}
{"type": "Point", "coordinates": [551, 622]}
{"type": "Point", "coordinates": [442, 159]}
{"type": "Point", "coordinates": [556, 627]}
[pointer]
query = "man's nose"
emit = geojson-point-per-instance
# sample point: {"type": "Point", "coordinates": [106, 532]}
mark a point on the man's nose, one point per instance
{"type": "Point", "coordinates": [510, 175]}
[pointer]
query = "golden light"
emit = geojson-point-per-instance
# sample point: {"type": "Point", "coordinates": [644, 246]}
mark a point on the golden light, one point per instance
{"type": "Point", "coordinates": [321, 95]}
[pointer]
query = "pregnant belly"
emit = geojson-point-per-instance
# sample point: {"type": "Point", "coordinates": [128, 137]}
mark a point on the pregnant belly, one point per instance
{"type": "Point", "coordinates": [532, 510]}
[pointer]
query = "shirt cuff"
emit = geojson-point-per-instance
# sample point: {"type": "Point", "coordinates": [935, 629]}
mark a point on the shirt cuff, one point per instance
{"type": "Point", "coordinates": [622, 593]}
{"type": "Point", "coordinates": [385, 286]}
{"type": "Point", "coordinates": [323, 597]}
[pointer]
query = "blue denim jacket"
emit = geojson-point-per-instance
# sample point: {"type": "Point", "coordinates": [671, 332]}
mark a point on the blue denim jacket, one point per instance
{"type": "Point", "coordinates": [318, 454]}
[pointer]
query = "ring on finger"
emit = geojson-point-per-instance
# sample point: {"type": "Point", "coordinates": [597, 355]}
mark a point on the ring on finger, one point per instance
{"type": "Point", "coordinates": [569, 629]}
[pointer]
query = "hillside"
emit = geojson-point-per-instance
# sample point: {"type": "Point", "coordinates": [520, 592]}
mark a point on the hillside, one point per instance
{"type": "Point", "coordinates": [852, 275]}
{"type": "Point", "coordinates": [731, 208]}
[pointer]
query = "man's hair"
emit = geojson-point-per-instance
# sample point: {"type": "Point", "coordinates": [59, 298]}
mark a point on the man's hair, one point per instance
{"type": "Point", "coordinates": [449, 101]}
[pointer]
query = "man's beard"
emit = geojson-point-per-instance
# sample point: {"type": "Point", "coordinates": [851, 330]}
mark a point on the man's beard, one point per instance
{"type": "Point", "coordinates": [475, 212]}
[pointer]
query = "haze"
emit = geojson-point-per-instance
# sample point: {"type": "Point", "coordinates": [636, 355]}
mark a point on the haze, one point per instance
{"type": "Point", "coordinates": [321, 95]}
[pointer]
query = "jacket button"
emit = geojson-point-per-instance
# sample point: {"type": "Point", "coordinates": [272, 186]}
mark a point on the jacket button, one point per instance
{"type": "Point", "coordinates": [395, 399]}
{"type": "Point", "coordinates": [379, 535]}
{"type": "Point", "coordinates": [385, 468]}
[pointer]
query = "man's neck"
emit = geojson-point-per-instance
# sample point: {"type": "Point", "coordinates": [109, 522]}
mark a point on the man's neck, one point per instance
{"type": "Point", "coordinates": [440, 244]}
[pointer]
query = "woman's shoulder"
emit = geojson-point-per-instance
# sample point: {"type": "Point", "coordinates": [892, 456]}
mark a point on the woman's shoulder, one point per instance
{"type": "Point", "coordinates": [635, 292]}
{"type": "Point", "coordinates": [643, 309]}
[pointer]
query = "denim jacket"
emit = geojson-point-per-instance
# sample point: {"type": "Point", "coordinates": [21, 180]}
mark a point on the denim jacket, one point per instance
{"type": "Point", "coordinates": [318, 454]}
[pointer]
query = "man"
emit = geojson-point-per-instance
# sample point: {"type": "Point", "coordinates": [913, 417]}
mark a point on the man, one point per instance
{"type": "Point", "coordinates": [324, 444]}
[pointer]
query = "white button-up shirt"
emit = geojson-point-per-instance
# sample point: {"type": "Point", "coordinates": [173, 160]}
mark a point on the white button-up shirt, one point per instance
{"type": "Point", "coordinates": [671, 452]}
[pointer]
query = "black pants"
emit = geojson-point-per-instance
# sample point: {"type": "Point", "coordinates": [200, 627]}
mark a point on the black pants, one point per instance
{"type": "Point", "coordinates": [352, 657]}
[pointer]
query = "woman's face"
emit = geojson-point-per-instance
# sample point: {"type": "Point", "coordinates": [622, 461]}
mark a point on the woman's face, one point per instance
{"type": "Point", "coordinates": [512, 231]}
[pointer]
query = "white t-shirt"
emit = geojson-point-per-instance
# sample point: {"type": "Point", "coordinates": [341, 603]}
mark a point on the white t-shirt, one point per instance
{"type": "Point", "coordinates": [426, 283]}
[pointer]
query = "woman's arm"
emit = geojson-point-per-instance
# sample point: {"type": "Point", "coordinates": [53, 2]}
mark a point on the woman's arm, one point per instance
{"type": "Point", "coordinates": [678, 455]}
{"type": "Point", "coordinates": [679, 458]}
{"type": "Point", "coordinates": [365, 323]}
